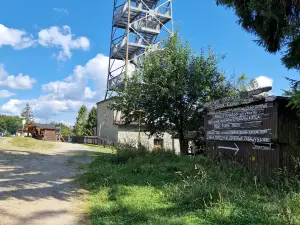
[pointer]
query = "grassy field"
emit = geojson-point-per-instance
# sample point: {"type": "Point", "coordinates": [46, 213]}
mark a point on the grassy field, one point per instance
{"type": "Point", "coordinates": [25, 143]}
{"type": "Point", "coordinates": [156, 188]}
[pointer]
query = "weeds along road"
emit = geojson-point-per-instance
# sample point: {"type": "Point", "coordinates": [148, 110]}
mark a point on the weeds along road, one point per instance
{"type": "Point", "coordinates": [36, 182]}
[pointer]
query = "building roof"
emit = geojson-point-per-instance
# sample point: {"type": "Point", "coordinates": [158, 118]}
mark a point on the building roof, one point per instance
{"type": "Point", "coordinates": [45, 126]}
{"type": "Point", "coordinates": [105, 100]}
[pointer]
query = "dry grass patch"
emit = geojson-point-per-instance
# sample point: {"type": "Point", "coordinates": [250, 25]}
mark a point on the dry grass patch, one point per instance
{"type": "Point", "coordinates": [26, 144]}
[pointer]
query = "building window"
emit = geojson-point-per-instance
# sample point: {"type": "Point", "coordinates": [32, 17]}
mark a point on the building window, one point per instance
{"type": "Point", "coordinates": [159, 143]}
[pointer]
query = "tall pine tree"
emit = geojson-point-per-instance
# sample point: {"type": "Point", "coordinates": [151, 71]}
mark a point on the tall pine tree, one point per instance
{"type": "Point", "coordinates": [79, 127]}
{"type": "Point", "coordinates": [27, 114]}
{"type": "Point", "coordinates": [91, 122]}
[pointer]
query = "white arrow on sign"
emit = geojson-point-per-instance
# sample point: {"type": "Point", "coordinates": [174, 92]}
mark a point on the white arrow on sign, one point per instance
{"type": "Point", "coordinates": [236, 149]}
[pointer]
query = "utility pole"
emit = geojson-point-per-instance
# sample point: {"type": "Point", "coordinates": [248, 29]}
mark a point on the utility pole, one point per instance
{"type": "Point", "coordinates": [139, 111]}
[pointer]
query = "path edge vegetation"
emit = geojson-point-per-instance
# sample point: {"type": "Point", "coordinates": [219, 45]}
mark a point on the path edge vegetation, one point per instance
{"type": "Point", "coordinates": [136, 186]}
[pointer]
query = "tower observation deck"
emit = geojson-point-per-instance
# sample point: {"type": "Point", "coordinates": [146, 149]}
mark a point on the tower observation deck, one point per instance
{"type": "Point", "coordinates": [138, 27]}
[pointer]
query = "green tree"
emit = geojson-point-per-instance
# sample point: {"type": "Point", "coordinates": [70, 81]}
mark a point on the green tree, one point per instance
{"type": "Point", "coordinates": [244, 84]}
{"type": "Point", "coordinates": [79, 127]}
{"type": "Point", "coordinates": [27, 114]}
{"type": "Point", "coordinates": [294, 94]}
{"type": "Point", "coordinates": [276, 23]}
{"type": "Point", "coordinates": [91, 122]}
{"type": "Point", "coordinates": [10, 124]}
{"type": "Point", "coordinates": [65, 130]}
{"type": "Point", "coordinates": [171, 89]}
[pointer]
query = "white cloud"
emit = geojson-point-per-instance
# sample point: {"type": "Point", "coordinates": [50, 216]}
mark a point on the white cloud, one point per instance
{"type": "Point", "coordinates": [63, 39]}
{"type": "Point", "coordinates": [18, 39]}
{"type": "Point", "coordinates": [65, 97]}
{"type": "Point", "coordinates": [59, 37]}
{"type": "Point", "coordinates": [6, 94]}
{"type": "Point", "coordinates": [74, 87]}
{"type": "Point", "coordinates": [61, 10]}
{"type": "Point", "coordinates": [264, 81]}
{"type": "Point", "coordinates": [15, 82]}
{"type": "Point", "coordinates": [45, 107]}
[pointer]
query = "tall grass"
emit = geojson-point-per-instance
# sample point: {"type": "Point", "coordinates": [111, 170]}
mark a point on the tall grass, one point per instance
{"type": "Point", "coordinates": [140, 187]}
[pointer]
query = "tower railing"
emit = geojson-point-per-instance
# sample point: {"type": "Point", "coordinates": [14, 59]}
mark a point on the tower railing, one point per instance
{"type": "Point", "coordinates": [137, 27]}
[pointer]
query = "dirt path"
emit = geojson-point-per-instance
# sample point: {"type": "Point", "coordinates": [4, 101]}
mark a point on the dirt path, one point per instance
{"type": "Point", "coordinates": [37, 188]}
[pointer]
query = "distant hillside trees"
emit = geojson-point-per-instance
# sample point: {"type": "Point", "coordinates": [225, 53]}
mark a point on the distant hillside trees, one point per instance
{"type": "Point", "coordinates": [65, 129]}
{"type": "Point", "coordinates": [10, 124]}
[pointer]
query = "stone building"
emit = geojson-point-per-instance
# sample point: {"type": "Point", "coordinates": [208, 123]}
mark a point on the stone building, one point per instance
{"type": "Point", "coordinates": [111, 128]}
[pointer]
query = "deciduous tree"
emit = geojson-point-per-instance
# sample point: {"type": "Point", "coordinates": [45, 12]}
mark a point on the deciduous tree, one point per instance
{"type": "Point", "coordinates": [10, 124]}
{"type": "Point", "coordinates": [171, 88]}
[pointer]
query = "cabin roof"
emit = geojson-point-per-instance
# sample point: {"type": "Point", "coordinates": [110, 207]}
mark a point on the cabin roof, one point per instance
{"type": "Point", "coordinates": [44, 126]}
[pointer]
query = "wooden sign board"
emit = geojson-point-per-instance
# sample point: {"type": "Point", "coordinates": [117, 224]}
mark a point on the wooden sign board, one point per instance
{"type": "Point", "coordinates": [240, 99]}
{"type": "Point", "coordinates": [238, 138]}
{"type": "Point", "coordinates": [247, 108]}
{"type": "Point", "coordinates": [246, 125]}
{"type": "Point", "coordinates": [238, 119]}
{"type": "Point", "coordinates": [240, 132]}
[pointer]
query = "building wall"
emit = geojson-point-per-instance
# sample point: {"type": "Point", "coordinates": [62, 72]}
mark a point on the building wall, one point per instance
{"type": "Point", "coordinates": [125, 134]}
{"type": "Point", "coordinates": [50, 135]}
{"type": "Point", "coordinates": [129, 135]}
{"type": "Point", "coordinates": [105, 122]}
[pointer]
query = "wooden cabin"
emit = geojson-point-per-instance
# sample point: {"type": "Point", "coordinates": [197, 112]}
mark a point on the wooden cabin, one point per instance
{"type": "Point", "coordinates": [44, 132]}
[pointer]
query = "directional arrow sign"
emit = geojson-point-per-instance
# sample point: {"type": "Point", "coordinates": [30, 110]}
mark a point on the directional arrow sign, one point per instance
{"type": "Point", "coordinates": [236, 149]}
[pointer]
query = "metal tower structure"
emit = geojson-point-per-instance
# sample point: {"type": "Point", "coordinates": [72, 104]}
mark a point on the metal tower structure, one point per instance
{"type": "Point", "coordinates": [138, 27]}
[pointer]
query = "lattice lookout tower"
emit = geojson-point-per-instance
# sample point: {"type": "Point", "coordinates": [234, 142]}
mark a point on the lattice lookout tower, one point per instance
{"type": "Point", "coordinates": [138, 27]}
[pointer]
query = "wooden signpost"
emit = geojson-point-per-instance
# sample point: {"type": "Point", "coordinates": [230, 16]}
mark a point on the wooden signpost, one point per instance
{"type": "Point", "coordinates": [239, 119]}
{"type": "Point", "coordinates": [240, 99]}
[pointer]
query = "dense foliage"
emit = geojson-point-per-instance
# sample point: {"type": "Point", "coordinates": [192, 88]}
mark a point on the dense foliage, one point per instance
{"type": "Point", "coordinates": [159, 188]}
{"type": "Point", "coordinates": [275, 22]}
{"type": "Point", "coordinates": [85, 122]}
{"type": "Point", "coordinates": [65, 130]}
{"type": "Point", "coordinates": [91, 122]}
{"type": "Point", "coordinates": [172, 88]}
{"type": "Point", "coordinates": [244, 84]}
{"type": "Point", "coordinates": [294, 94]}
{"type": "Point", "coordinates": [10, 124]}
{"type": "Point", "coordinates": [79, 127]}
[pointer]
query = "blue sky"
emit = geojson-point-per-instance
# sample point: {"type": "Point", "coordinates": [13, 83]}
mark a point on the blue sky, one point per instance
{"type": "Point", "coordinates": [53, 54]}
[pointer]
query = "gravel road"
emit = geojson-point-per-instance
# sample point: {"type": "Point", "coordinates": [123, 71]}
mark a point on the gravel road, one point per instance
{"type": "Point", "coordinates": [38, 188]}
